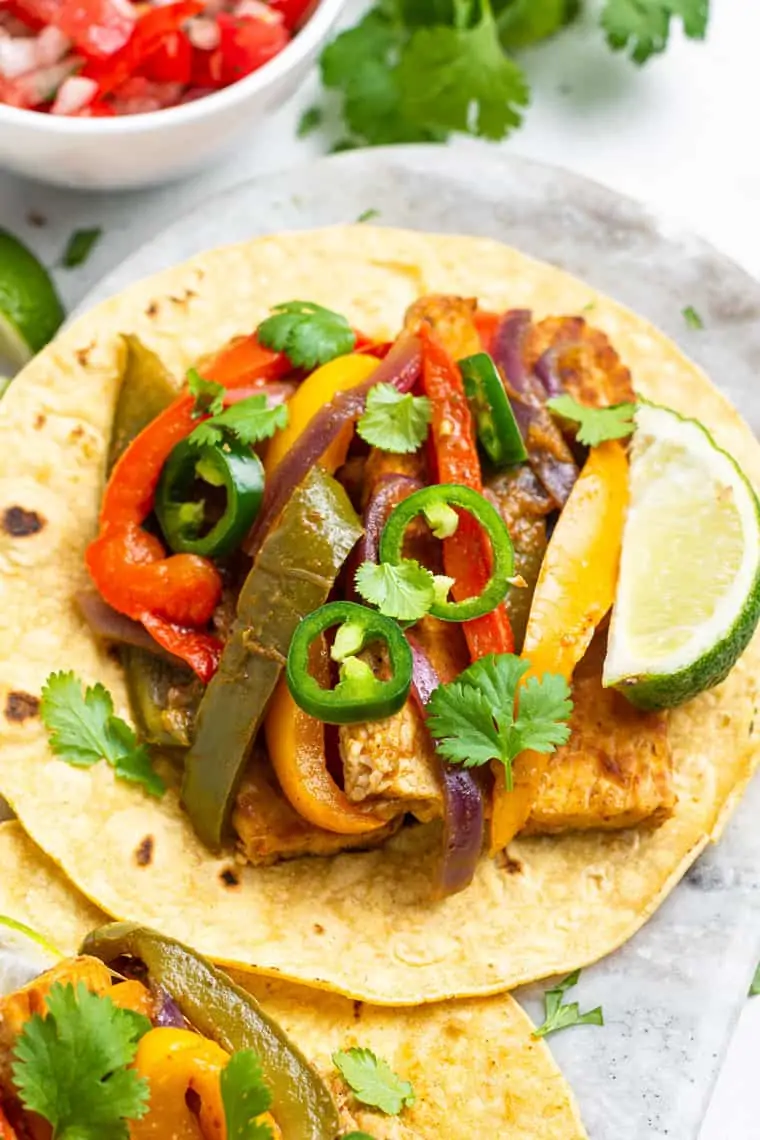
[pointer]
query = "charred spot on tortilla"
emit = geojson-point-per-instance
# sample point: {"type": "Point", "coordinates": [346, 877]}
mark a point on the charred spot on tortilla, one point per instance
{"type": "Point", "coordinates": [229, 878]}
{"type": "Point", "coordinates": [39, 421]}
{"type": "Point", "coordinates": [144, 852]}
{"type": "Point", "coordinates": [506, 863]}
{"type": "Point", "coordinates": [83, 354]}
{"type": "Point", "coordinates": [318, 928]}
{"type": "Point", "coordinates": [152, 309]}
{"type": "Point", "coordinates": [20, 706]}
{"type": "Point", "coordinates": [358, 1007]}
{"type": "Point", "coordinates": [20, 523]}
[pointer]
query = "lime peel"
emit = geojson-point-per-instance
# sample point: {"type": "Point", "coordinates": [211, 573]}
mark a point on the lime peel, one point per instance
{"type": "Point", "coordinates": [688, 597]}
{"type": "Point", "coordinates": [30, 309]}
{"type": "Point", "coordinates": [23, 954]}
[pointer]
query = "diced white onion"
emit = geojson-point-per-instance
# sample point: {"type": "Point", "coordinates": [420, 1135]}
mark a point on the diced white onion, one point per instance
{"type": "Point", "coordinates": [73, 95]}
{"type": "Point", "coordinates": [203, 34]}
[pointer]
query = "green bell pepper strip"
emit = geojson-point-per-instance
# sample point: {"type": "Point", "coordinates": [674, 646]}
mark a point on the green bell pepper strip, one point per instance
{"type": "Point", "coordinates": [292, 574]}
{"type": "Point", "coordinates": [359, 695]}
{"type": "Point", "coordinates": [502, 555]}
{"type": "Point", "coordinates": [225, 1013]}
{"type": "Point", "coordinates": [495, 421]}
{"type": "Point", "coordinates": [231, 467]}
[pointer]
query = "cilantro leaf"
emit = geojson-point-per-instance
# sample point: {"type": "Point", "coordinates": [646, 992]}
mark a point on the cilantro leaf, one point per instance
{"type": "Point", "coordinates": [595, 425]}
{"type": "Point", "coordinates": [307, 333]}
{"type": "Point", "coordinates": [459, 79]}
{"type": "Point", "coordinates": [405, 591]}
{"type": "Point", "coordinates": [208, 395]}
{"type": "Point", "coordinates": [754, 989]}
{"type": "Point", "coordinates": [692, 318]}
{"type": "Point", "coordinates": [394, 421]}
{"type": "Point", "coordinates": [83, 730]}
{"type": "Point", "coordinates": [373, 1081]}
{"type": "Point", "coordinates": [245, 1097]}
{"type": "Point", "coordinates": [80, 246]}
{"type": "Point", "coordinates": [248, 421]}
{"type": "Point", "coordinates": [473, 718]}
{"type": "Point", "coordinates": [559, 1016]}
{"type": "Point", "coordinates": [642, 27]}
{"type": "Point", "coordinates": [71, 1065]}
{"type": "Point", "coordinates": [368, 214]}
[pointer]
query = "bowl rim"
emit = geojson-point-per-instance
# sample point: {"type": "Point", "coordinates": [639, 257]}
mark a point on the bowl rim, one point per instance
{"type": "Point", "coordinates": [306, 40]}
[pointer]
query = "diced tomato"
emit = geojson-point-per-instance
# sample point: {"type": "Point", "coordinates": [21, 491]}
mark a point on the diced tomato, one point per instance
{"type": "Point", "coordinates": [293, 11]}
{"type": "Point", "coordinates": [247, 44]}
{"type": "Point", "coordinates": [98, 28]}
{"type": "Point", "coordinates": [151, 30]}
{"type": "Point", "coordinates": [171, 62]}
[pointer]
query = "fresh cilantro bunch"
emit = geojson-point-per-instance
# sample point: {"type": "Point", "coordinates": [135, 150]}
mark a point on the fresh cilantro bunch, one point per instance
{"type": "Point", "coordinates": [72, 1066]}
{"type": "Point", "coordinates": [418, 70]}
{"type": "Point", "coordinates": [483, 715]}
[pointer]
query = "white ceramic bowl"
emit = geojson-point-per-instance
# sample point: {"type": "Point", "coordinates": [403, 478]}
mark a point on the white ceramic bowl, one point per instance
{"type": "Point", "coordinates": [140, 150]}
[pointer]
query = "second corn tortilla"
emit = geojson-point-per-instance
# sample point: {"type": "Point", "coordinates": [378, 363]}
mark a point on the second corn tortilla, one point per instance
{"type": "Point", "coordinates": [473, 1064]}
{"type": "Point", "coordinates": [361, 924]}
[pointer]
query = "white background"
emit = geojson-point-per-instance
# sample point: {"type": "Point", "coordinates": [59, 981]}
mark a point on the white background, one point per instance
{"type": "Point", "coordinates": [681, 134]}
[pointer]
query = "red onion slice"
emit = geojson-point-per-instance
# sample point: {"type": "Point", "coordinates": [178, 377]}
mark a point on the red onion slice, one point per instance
{"type": "Point", "coordinates": [108, 624]}
{"type": "Point", "coordinates": [389, 490]}
{"type": "Point", "coordinates": [401, 368]}
{"type": "Point", "coordinates": [462, 796]}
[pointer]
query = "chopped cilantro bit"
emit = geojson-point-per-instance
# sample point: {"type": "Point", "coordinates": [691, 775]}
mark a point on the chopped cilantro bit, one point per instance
{"type": "Point", "coordinates": [71, 1067]}
{"type": "Point", "coordinates": [754, 989]}
{"type": "Point", "coordinates": [208, 395]}
{"type": "Point", "coordinates": [692, 318]}
{"type": "Point", "coordinates": [84, 730]}
{"type": "Point", "coordinates": [373, 1081]}
{"type": "Point", "coordinates": [80, 246]}
{"type": "Point", "coordinates": [368, 215]}
{"type": "Point", "coordinates": [308, 333]}
{"type": "Point", "coordinates": [394, 421]}
{"type": "Point", "coordinates": [559, 1016]}
{"type": "Point", "coordinates": [405, 591]}
{"type": "Point", "coordinates": [248, 421]}
{"type": "Point", "coordinates": [310, 120]}
{"type": "Point", "coordinates": [595, 425]}
{"type": "Point", "coordinates": [473, 718]}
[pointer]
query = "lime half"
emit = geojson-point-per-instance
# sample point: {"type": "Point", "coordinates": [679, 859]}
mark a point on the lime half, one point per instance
{"type": "Point", "coordinates": [688, 595]}
{"type": "Point", "coordinates": [23, 955]}
{"type": "Point", "coordinates": [30, 309]}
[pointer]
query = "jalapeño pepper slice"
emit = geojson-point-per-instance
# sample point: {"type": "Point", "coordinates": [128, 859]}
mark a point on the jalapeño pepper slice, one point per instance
{"type": "Point", "coordinates": [495, 421]}
{"type": "Point", "coordinates": [230, 468]}
{"type": "Point", "coordinates": [428, 502]}
{"type": "Point", "coordinates": [359, 695]}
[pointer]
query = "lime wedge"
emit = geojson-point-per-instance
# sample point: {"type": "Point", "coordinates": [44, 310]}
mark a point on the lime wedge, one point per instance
{"type": "Point", "coordinates": [30, 309]}
{"type": "Point", "coordinates": [688, 595]}
{"type": "Point", "coordinates": [23, 955]}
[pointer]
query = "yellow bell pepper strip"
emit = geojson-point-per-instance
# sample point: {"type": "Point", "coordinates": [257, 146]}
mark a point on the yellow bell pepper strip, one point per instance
{"type": "Point", "coordinates": [175, 1062]}
{"type": "Point", "coordinates": [317, 390]}
{"type": "Point", "coordinates": [135, 996]}
{"type": "Point", "coordinates": [575, 589]}
{"type": "Point", "coordinates": [296, 746]}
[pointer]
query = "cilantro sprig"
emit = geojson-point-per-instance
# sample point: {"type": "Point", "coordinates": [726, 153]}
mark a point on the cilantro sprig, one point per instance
{"type": "Point", "coordinates": [307, 333]}
{"type": "Point", "coordinates": [473, 719]}
{"type": "Point", "coordinates": [249, 421]}
{"type": "Point", "coordinates": [395, 421]}
{"type": "Point", "coordinates": [418, 70]}
{"type": "Point", "coordinates": [72, 1065]}
{"type": "Point", "coordinates": [84, 730]}
{"type": "Point", "coordinates": [405, 591]}
{"type": "Point", "coordinates": [595, 425]}
{"type": "Point", "coordinates": [209, 396]}
{"type": "Point", "coordinates": [373, 1081]}
{"type": "Point", "coordinates": [754, 989]}
{"type": "Point", "coordinates": [245, 1097]}
{"type": "Point", "coordinates": [560, 1016]}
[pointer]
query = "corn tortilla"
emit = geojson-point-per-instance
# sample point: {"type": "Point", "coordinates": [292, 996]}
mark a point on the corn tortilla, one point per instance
{"type": "Point", "coordinates": [473, 1064]}
{"type": "Point", "coordinates": [361, 924]}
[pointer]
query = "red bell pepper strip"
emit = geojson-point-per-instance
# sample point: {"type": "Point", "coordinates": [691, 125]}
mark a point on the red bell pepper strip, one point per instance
{"type": "Point", "coordinates": [6, 1132]}
{"type": "Point", "coordinates": [486, 323]}
{"type": "Point", "coordinates": [149, 33]}
{"type": "Point", "coordinates": [172, 596]}
{"type": "Point", "coordinates": [467, 554]}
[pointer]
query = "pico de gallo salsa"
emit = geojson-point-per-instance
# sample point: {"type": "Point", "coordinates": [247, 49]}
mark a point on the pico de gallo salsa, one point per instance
{"type": "Point", "coordinates": [103, 58]}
